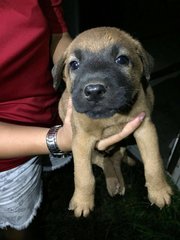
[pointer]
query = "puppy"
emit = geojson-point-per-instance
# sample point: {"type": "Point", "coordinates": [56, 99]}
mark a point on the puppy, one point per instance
{"type": "Point", "coordinates": [106, 73]}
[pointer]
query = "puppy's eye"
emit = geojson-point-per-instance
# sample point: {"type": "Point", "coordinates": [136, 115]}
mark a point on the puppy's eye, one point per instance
{"type": "Point", "coordinates": [123, 60]}
{"type": "Point", "coordinates": [74, 65]}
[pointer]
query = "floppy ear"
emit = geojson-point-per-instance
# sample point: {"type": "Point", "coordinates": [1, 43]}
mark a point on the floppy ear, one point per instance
{"type": "Point", "coordinates": [57, 72]}
{"type": "Point", "coordinates": [147, 61]}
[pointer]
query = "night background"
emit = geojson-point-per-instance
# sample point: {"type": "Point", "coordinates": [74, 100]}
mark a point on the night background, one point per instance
{"type": "Point", "coordinates": [156, 23]}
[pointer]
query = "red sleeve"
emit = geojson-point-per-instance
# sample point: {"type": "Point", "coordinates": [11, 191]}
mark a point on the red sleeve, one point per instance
{"type": "Point", "coordinates": [54, 15]}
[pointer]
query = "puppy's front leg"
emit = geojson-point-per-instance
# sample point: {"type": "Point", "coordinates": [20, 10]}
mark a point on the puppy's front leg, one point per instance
{"type": "Point", "coordinates": [82, 201]}
{"type": "Point", "coordinates": [159, 192]}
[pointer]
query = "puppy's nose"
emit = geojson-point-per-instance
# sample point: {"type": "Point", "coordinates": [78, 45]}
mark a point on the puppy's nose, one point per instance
{"type": "Point", "coordinates": [94, 91]}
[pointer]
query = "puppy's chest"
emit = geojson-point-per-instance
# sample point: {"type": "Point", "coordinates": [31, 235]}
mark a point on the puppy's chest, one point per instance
{"type": "Point", "coordinates": [100, 128]}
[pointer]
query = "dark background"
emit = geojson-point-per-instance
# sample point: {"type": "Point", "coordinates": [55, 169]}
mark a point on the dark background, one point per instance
{"type": "Point", "coordinates": [143, 18]}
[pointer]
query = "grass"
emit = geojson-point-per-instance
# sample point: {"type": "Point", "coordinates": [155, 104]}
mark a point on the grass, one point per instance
{"type": "Point", "coordinates": [128, 218]}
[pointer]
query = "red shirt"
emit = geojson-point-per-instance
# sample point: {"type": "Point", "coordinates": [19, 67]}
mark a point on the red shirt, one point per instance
{"type": "Point", "coordinates": [27, 96]}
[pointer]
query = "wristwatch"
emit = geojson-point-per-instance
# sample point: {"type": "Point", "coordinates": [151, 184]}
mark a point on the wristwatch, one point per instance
{"type": "Point", "coordinates": [51, 141]}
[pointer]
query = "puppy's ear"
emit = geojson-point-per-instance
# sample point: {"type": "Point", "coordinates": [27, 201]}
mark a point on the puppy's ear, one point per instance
{"type": "Point", "coordinates": [57, 72]}
{"type": "Point", "coordinates": [147, 61]}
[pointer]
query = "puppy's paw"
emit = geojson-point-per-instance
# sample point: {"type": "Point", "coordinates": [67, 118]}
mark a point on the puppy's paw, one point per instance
{"type": "Point", "coordinates": [80, 206]}
{"type": "Point", "coordinates": [160, 197]}
{"type": "Point", "coordinates": [115, 187]}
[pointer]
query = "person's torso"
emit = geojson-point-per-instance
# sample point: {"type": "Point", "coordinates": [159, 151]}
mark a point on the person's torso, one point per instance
{"type": "Point", "coordinates": [26, 92]}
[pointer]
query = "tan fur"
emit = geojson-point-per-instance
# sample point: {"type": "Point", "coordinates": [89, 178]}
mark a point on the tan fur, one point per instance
{"type": "Point", "coordinates": [87, 131]}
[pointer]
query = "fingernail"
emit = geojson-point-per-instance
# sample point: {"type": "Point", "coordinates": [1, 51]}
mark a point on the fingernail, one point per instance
{"type": "Point", "coordinates": [141, 116]}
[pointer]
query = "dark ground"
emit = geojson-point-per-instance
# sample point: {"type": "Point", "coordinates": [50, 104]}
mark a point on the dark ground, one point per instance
{"type": "Point", "coordinates": [129, 218]}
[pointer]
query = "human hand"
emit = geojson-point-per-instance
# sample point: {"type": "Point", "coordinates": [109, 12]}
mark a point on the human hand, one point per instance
{"type": "Point", "coordinates": [129, 128]}
{"type": "Point", "coordinates": [64, 135]}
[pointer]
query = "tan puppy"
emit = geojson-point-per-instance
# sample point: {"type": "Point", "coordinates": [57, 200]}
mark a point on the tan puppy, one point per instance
{"type": "Point", "coordinates": [106, 71]}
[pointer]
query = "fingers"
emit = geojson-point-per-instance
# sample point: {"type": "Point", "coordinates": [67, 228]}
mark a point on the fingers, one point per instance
{"type": "Point", "coordinates": [129, 128]}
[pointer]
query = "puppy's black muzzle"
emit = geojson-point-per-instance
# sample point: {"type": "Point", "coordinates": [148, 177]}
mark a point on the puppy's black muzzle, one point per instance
{"type": "Point", "coordinates": [94, 92]}
{"type": "Point", "coordinates": [100, 87]}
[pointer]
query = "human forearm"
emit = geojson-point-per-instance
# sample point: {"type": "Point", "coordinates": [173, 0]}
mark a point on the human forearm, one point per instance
{"type": "Point", "coordinates": [19, 141]}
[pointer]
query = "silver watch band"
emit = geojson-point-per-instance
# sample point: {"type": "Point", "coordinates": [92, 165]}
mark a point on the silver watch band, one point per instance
{"type": "Point", "coordinates": [51, 141]}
